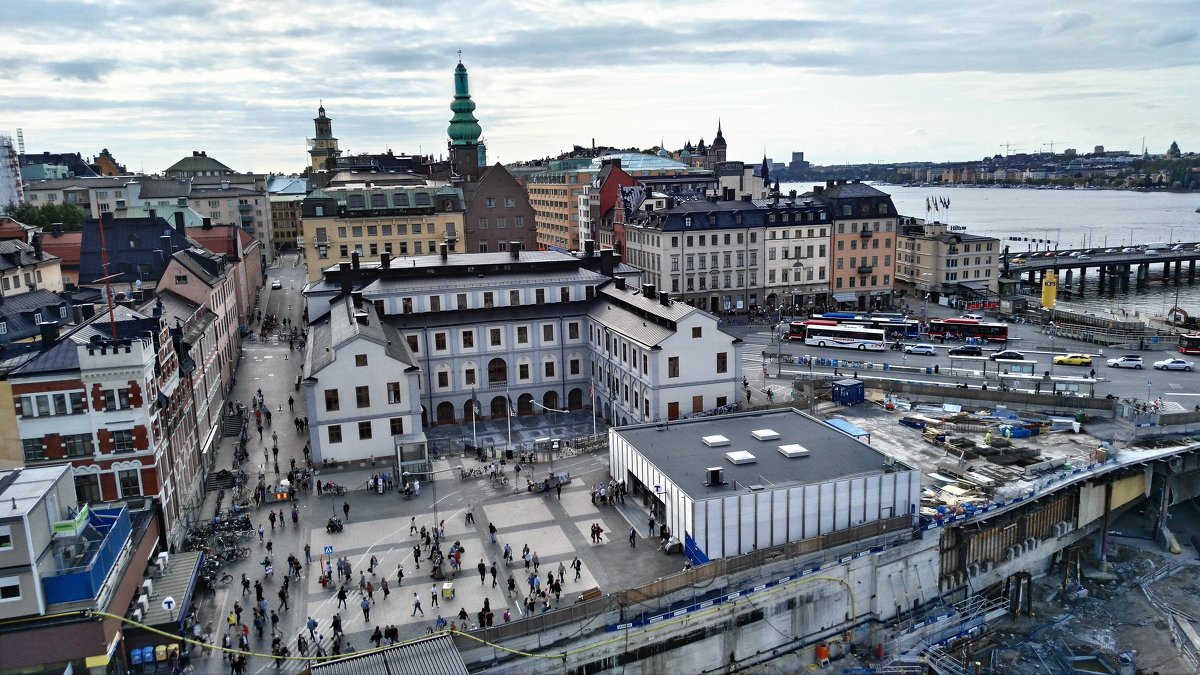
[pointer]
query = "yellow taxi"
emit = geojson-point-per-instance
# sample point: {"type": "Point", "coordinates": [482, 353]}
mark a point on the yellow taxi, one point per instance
{"type": "Point", "coordinates": [1073, 360]}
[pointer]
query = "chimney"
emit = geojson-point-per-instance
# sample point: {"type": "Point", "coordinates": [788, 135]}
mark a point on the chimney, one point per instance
{"type": "Point", "coordinates": [792, 194]}
{"type": "Point", "coordinates": [514, 249]}
{"type": "Point", "coordinates": [107, 217]}
{"type": "Point", "coordinates": [347, 279]}
{"type": "Point", "coordinates": [37, 246]}
{"type": "Point", "coordinates": [354, 260]}
{"type": "Point", "coordinates": [619, 282]}
{"type": "Point", "coordinates": [49, 333]}
{"type": "Point", "coordinates": [730, 194]}
{"type": "Point", "coordinates": [153, 215]}
{"type": "Point", "coordinates": [607, 264]}
{"type": "Point", "coordinates": [664, 298]}
{"type": "Point", "coordinates": [830, 182]}
{"type": "Point", "coordinates": [444, 250]}
{"type": "Point", "coordinates": [819, 189]}
{"type": "Point", "coordinates": [206, 224]}
{"type": "Point", "coordinates": [56, 230]}
{"type": "Point", "coordinates": [747, 198]}
{"type": "Point", "coordinates": [179, 225]}
{"type": "Point", "coordinates": [648, 290]}
{"type": "Point", "coordinates": [589, 247]}
{"type": "Point", "coordinates": [385, 260]}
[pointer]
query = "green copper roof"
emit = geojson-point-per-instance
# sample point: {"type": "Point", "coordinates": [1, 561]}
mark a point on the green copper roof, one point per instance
{"type": "Point", "coordinates": [464, 129]}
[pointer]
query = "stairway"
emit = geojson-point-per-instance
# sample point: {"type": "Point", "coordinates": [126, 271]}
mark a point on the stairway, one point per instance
{"type": "Point", "coordinates": [231, 425]}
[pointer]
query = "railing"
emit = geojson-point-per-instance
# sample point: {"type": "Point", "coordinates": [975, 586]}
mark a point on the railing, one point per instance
{"type": "Point", "coordinates": [83, 581]}
{"type": "Point", "coordinates": [865, 234]}
{"type": "Point", "coordinates": [865, 269]}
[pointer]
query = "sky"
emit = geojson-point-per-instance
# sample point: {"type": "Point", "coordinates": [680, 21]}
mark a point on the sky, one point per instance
{"type": "Point", "coordinates": [843, 82]}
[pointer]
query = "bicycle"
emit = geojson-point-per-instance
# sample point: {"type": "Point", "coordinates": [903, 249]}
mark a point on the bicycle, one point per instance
{"type": "Point", "coordinates": [499, 481]}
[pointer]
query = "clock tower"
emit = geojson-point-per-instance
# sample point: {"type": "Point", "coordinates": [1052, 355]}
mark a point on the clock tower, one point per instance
{"type": "Point", "coordinates": [323, 146]}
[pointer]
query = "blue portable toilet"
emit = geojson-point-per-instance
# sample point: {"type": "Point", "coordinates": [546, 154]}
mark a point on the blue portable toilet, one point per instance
{"type": "Point", "coordinates": [849, 392]}
{"type": "Point", "coordinates": [135, 659]}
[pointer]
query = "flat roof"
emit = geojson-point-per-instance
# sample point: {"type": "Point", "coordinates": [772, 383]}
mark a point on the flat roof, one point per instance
{"type": "Point", "coordinates": [679, 451]}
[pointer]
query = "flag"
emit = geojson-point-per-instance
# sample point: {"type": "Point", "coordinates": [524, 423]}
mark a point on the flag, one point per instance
{"type": "Point", "coordinates": [592, 389]}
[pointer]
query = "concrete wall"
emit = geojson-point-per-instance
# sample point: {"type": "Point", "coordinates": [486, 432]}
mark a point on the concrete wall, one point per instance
{"type": "Point", "coordinates": [1064, 404]}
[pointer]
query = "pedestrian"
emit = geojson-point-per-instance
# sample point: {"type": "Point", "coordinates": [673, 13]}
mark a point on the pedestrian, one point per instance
{"type": "Point", "coordinates": [291, 403]}
{"type": "Point", "coordinates": [412, 526]}
{"type": "Point", "coordinates": [337, 625]}
{"type": "Point", "coordinates": [281, 520]}
{"type": "Point", "coordinates": [417, 557]}
{"type": "Point", "coordinates": [283, 599]}
{"type": "Point", "coordinates": [559, 489]}
{"type": "Point", "coordinates": [270, 547]}
{"type": "Point", "coordinates": [371, 567]}
{"type": "Point", "coordinates": [260, 533]}
{"type": "Point", "coordinates": [399, 575]}
{"type": "Point", "coordinates": [370, 591]}
{"type": "Point", "coordinates": [377, 637]}
{"type": "Point", "coordinates": [245, 584]}
{"type": "Point", "coordinates": [366, 608]}
{"type": "Point", "coordinates": [383, 584]}
{"type": "Point", "coordinates": [512, 585]}
{"type": "Point", "coordinates": [307, 554]}
{"type": "Point", "coordinates": [272, 519]}
{"type": "Point", "coordinates": [535, 562]}
{"type": "Point", "coordinates": [296, 518]}
{"type": "Point", "coordinates": [433, 596]}
{"type": "Point", "coordinates": [311, 625]}
{"type": "Point", "coordinates": [341, 596]}
{"type": "Point", "coordinates": [482, 571]}
{"type": "Point", "coordinates": [346, 510]}
{"type": "Point", "coordinates": [274, 622]}
{"type": "Point", "coordinates": [302, 645]}
{"type": "Point", "coordinates": [416, 603]}
{"type": "Point", "coordinates": [493, 571]}
{"type": "Point", "coordinates": [578, 565]}
{"type": "Point", "coordinates": [562, 570]}
{"type": "Point", "coordinates": [651, 534]}
{"type": "Point", "coordinates": [632, 537]}
{"type": "Point", "coordinates": [362, 582]}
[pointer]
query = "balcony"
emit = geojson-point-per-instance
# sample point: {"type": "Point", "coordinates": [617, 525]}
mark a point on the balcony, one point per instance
{"type": "Point", "coordinates": [865, 234]}
{"type": "Point", "coordinates": [865, 269]}
{"type": "Point", "coordinates": [245, 208]}
{"type": "Point", "coordinates": [83, 561]}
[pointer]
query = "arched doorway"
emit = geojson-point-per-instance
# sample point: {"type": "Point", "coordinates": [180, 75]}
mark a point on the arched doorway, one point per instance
{"type": "Point", "coordinates": [550, 401]}
{"type": "Point", "coordinates": [497, 371]}
{"type": "Point", "coordinates": [525, 405]}
{"type": "Point", "coordinates": [468, 412]}
{"type": "Point", "coordinates": [498, 408]}
{"type": "Point", "coordinates": [575, 399]}
{"type": "Point", "coordinates": [445, 413]}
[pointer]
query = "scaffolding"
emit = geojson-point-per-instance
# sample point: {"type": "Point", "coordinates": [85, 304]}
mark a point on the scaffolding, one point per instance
{"type": "Point", "coordinates": [11, 188]}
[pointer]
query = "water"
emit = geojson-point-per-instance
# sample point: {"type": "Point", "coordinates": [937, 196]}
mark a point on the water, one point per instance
{"type": "Point", "coordinates": [1069, 219]}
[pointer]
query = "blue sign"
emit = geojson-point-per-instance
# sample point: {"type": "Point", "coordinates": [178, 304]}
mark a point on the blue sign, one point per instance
{"type": "Point", "coordinates": [328, 550]}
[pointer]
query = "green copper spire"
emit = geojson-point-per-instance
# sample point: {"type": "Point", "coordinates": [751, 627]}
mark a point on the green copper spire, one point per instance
{"type": "Point", "coordinates": [464, 129]}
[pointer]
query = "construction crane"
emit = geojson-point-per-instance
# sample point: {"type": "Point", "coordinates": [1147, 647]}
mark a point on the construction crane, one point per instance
{"type": "Point", "coordinates": [1051, 144]}
{"type": "Point", "coordinates": [1008, 148]}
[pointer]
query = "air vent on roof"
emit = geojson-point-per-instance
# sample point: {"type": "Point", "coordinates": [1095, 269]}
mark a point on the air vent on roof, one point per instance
{"type": "Point", "coordinates": [740, 457]}
{"type": "Point", "coordinates": [793, 450]}
{"type": "Point", "coordinates": [714, 475]}
{"type": "Point", "coordinates": [765, 434]}
{"type": "Point", "coordinates": [715, 441]}
{"type": "Point", "coordinates": [755, 488]}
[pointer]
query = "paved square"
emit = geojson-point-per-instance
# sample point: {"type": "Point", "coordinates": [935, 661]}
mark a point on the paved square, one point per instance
{"type": "Point", "coordinates": [516, 512]}
{"type": "Point", "coordinates": [578, 503]}
{"type": "Point", "coordinates": [586, 530]}
{"type": "Point", "coordinates": [547, 542]}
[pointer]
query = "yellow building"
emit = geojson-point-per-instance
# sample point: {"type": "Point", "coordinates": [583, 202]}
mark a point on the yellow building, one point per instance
{"type": "Point", "coordinates": [285, 220]}
{"type": "Point", "coordinates": [370, 220]}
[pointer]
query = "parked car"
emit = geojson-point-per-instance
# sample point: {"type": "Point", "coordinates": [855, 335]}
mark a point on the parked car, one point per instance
{"type": "Point", "coordinates": [1008, 355]}
{"type": "Point", "coordinates": [1126, 361]}
{"type": "Point", "coordinates": [1112, 250]}
{"type": "Point", "coordinates": [977, 317]}
{"type": "Point", "coordinates": [921, 348]}
{"type": "Point", "coordinates": [1151, 251]}
{"type": "Point", "coordinates": [1018, 261]}
{"type": "Point", "coordinates": [1073, 254]}
{"type": "Point", "coordinates": [1177, 247]}
{"type": "Point", "coordinates": [1085, 257]}
{"type": "Point", "coordinates": [1073, 360]}
{"type": "Point", "coordinates": [276, 284]}
{"type": "Point", "coordinates": [1175, 364]}
{"type": "Point", "coordinates": [966, 350]}
{"type": "Point", "coordinates": [1129, 249]}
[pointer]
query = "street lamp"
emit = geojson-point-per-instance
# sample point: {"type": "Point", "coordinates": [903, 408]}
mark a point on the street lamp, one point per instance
{"type": "Point", "coordinates": [1053, 330]}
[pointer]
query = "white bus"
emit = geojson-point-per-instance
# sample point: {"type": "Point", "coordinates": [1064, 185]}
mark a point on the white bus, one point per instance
{"type": "Point", "coordinates": [845, 337]}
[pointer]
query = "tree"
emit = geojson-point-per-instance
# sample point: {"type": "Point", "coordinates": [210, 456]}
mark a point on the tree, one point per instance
{"type": "Point", "coordinates": [46, 215]}
{"type": "Point", "coordinates": [1173, 151]}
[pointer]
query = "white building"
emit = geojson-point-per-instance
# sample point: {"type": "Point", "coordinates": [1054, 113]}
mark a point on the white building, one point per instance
{"type": "Point", "coordinates": [362, 390]}
{"type": "Point", "coordinates": [728, 485]}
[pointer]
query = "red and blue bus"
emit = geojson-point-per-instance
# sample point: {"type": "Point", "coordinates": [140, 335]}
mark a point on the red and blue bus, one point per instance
{"type": "Point", "coordinates": [844, 337]}
{"type": "Point", "coordinates": [796, 329]}
{"type": "Point", "coordinates": [1189, 344]}
{"type": "Point", "coordinates": [965, 329]}
{"type": "Point", "coordinates": [896, 326]}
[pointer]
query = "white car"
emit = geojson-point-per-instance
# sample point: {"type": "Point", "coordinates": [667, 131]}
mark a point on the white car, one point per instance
{"type": "Point", "coordinates": [921, 348]}
{"type": "Point", "coordinates": [1174, 364]}
{"type": "Point", "coordinates": [1126, 361]}
{"type": "Point", "coordinates": [276, 284]}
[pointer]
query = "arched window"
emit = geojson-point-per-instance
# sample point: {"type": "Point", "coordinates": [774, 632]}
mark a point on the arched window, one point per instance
{"type": "Point", "coordinates": [550, 401]}
{"type": "Point", "coordinates": [575, 399]}
{"type": "Point", "coordinates": [497, 371]}
{"type": "Point", "coordinates": [445, 413]}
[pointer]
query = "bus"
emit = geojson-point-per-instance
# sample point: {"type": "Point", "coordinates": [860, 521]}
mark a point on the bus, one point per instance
{"type": "Point", "coordinates": [965, 329]}
{"type": "Point", "coordinates": [845, 337]}
{"type": "Point", "coordinates": [896, 326]}
{"type": "Point", "coordinates": [796, 328]}
{"type": "Point", "coordinates": [1189, 344]}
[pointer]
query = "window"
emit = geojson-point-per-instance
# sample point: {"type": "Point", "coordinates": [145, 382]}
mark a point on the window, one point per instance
{"type": "Point", "coordinates": [522, 335]}
{"type": "Point", "coordinates": [697, 332]}
{"type": "Point", "coordinates": [469, 376]}
{"type": "Point", "coordinates": [548, 333]}
{"type": "Point", "coordinates": [489, 299]}
{"type": "Point", "coordinates": [549, 369]}
{"type": "Point", "coordinates": [573, 330]}
{"type": "Point", "coordinates": [181, 279]}
{"type": "Point", "coordinates": [468, 339]}
{"type": "Point", "coordinates": [130, 482]}
{"type": "Point", "coordinates": [335, 433]}
{"type": "Point", "coordinates": [33, 449]}
{"type": "Point", "coordinates": [574, 366]}
{"type": "Point", "coordinates": [461, 298]}
{"type": "Point", "coordinates": [491, 202]}
{"type": "Point", "coordinates": [540, 296]}
{"type": "Point", "coordinates": [362, 396]}
{"type": "Point", "coordinates": [77, 445]}
{"type": "Point", "coordinates": [412, 343]}
{"type": "Point", "coordinates": [443, 379]}
{"type": "Point", "coordinates": [514, 298]}
{"type": "Point", "coordinates": [494, 337]}
{"type": "Point", "coordinates": [523, 371]}
{"type": "Point", "coordinates": [360, 360]}
{"type": "Point", "coordinates": [439, 341]}
{"type": "Point", "coordinates": [396, 426]}
{"type": "Point", "coordinates": [331, 400]}
{"type": "Point", "coordinates": [364, 430]}
{"type": "Point", "coordinates": [673, 366]}
{"type": "Point", "coordinates": [435, 303]}
{"type": "Point", "coordinates": [393, 392]}
{"type": "Point", "coordinates": [123, 441]}
{"type": "Point", "coordinates": [722, 362]}
{"type": "Point", "coordinates": [10, 587]}
{"type": "Point", "coordinates": [6, 540]}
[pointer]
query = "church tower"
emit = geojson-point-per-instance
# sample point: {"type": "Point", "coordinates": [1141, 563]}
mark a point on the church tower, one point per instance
{"type": "Point", "coordinates": [717, 149]}
{"type": "Point", "coordinates": [468, 156]}
{"type": "Point", "coordinates": [323, 146]}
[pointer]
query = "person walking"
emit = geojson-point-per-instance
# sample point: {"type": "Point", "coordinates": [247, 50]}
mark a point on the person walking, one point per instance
{"type": "Point", "coordinates": [371, 566]}
{"type": "Point", "coordinates": [370, 591]}
{"type": "Point", "coordinates": [260, 533]}
{"type": "Point", "coordinates": [383, 585]}
{"type": "Point", "coordinates": [366, 609]}
{"type": "Point", "coordinates": [362, 582]}
{"type": "Point", "coordinates": [311, 625]}
{"type": "Point", "coordinates": [337, 625]}
{"type": "Point", "coordinates": [274, 623]}
{"type": "Point", "coordinates": [272, 519]}
{"type": "Point", "coordinates": [412, 526]}
{"type": "Point", "coordinates": [245, 584]}
{"type": "Point", "coordinates": [433, 596]}
{"type": "Point", "coordinates": [258, 592]}
{"type": "Point", "coordinates": [562, 570]}
{"type": "Point", "coordinates": [578, 565]}
{"type": "Point", "coordinates": [416, 603]}
{"type": "Point", "coordinates": [399, 575]}
{"type": "Point", "coordinates": [633, 537]}
{"type": "Point", "coordinates": [512, 585]}
{"type": "Point", "coordinates": [307, 554]}
{"type": "Point", "coordinates": [535, 562]}
{"type": "Point", "coordinates": [493, 571]}
{"type": "Point", "coordinates": [342, 596]}
{"type": "Point", "coordinates": [651, 530]}
{"type": "Point", "coordinates": [283, 599]}
{"type": "Point", "coordinates": [417, 557]}
{"type": "Point", "coordinates": [482, 571]}
{"type": "Point", "coordinates": [346, 510]}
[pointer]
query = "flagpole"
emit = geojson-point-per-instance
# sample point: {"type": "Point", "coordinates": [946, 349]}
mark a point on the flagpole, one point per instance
{"type": "Point", "coordinates": [474, 403]}
{"type": "Point", "coordinates": [508, 413]}
{"type": "Point", "coordinates": [592, 395]}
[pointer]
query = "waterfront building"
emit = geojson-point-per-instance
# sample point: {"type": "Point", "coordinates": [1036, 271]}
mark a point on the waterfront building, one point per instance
{"type": "Point", "coordinates": [936, 260]}
{"type": "Point", "coordinates": [862, 243]}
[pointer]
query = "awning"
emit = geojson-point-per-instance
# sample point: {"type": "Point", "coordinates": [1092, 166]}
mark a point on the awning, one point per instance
{"type": "Point", "coordinates": [845, 297]}
{"type": "Point", "coordinates": [848, 428]}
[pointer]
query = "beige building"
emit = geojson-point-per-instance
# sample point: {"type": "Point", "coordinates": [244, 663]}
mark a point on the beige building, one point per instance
{"type": "Point", "coordinates": [285, 220]}
{"type": "Point", "coordinates": [370, 220]}
{"type": "Point", "coordinates": [935, 258]}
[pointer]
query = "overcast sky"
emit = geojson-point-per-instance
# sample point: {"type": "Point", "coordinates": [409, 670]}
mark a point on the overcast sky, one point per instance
{"type": "Point", "coordinates": [842, 81]}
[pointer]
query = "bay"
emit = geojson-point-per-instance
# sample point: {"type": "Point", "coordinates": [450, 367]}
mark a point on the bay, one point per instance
{"type": "Point", "coordinates": [1071, 219]}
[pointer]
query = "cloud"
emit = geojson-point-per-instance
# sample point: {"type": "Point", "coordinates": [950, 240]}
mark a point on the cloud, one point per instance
{"type": "Point", "coordinates": [1065, 22]}
{"type": "Point", "coordinates": [82, 70]}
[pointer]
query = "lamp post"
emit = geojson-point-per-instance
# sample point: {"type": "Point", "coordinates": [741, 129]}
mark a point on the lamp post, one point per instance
{"type": "Point", "coordinates": [1053, 331]}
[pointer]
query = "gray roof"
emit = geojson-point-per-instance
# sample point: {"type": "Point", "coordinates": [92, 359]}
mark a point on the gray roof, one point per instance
{"type": "Point", "coordinates": [460, 261]}
{"type": "Point", "coordinates": [207, 266]}
{"type": "Point", "coordinates": [339, 326]}
{"type": "Point", "coordinates": [390, 287]}
{"type": "Point", "coordinates": [24, 488]}
{"type": "Point", "coordinates": [164, 188]}
{"type": "Point", "coordinates": [435, 655]}
{"type": "Point", "coordinates": [23, 254]}
{"type": "Point", "coordinates": [678, 451]}
{"type": "Point", "coordinates": [555, 310]}
{"type": "Point", "coordinates": [64, 355]}
{"type": "Point", "coordinates": [851, 190]}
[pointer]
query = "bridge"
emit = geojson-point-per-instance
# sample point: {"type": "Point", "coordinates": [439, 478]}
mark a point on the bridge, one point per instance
{"type": "Point", "coordinates": [1119, 264]}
